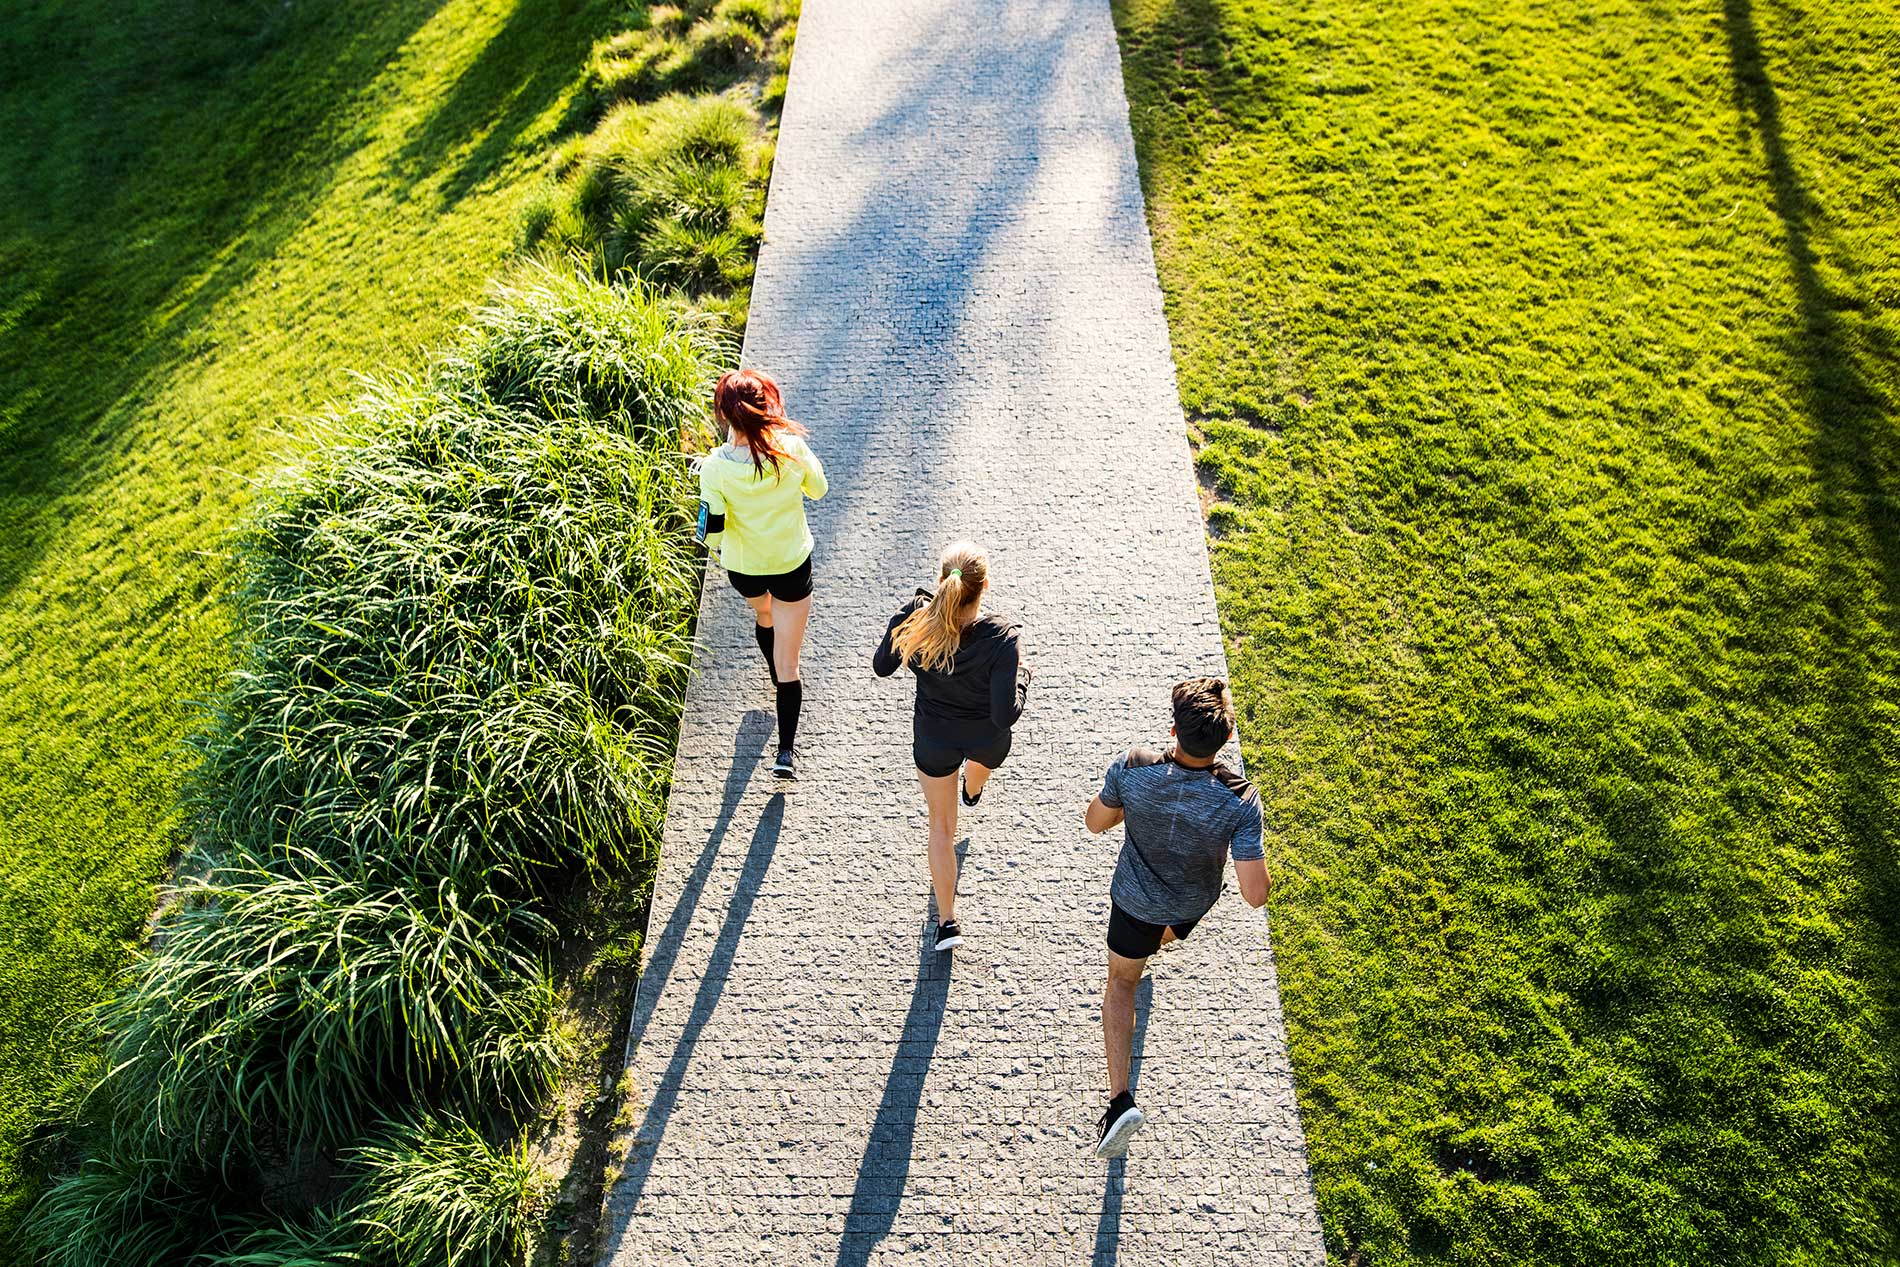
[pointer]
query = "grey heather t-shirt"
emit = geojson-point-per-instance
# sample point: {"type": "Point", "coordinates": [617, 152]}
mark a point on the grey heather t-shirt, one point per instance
{"type": "Point", "coordinates": [1179, 826]}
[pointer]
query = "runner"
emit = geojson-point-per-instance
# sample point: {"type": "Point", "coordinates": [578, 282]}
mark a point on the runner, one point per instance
{"type": "Point", "coordinates": [752, 492]}
{"type": "Point", "coordinates": [1185, 813]}
{"type": "Point", "coordinates": [971, 687]}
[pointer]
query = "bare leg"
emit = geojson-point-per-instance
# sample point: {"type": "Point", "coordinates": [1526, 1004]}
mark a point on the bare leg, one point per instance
{"type": "Point", "coordinates": [940, 797]}
{"type": "Point", "coordinates": [761, 610]}
{"type": "Point", "coordinates": [976, 777]}
{"type": "Point", "coordinates": [1118, 1019]}
{"type": "Point", "coordinates": [788, 638]}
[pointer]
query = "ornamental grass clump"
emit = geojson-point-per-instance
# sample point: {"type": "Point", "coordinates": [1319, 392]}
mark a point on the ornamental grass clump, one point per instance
{"type": "Point", "coordinates": [469, 615]}
{"type": "Point", "coordinates": [464, 635]}
{"type": "Point", "coordinates": [670, 189]}
{"type": "Point", "coordinates": [438, 1193]}
{"type": "Point", "coordinates": [283, 1011]}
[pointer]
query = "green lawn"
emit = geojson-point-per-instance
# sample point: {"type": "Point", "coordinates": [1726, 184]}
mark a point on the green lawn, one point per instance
{"type": "Point", "coordinates": [1542, 365]}
{"type": "Point", "coordinates": [210, 213]}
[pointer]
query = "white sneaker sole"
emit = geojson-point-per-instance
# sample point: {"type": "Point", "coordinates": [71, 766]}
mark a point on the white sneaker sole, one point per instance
{"type": "Point", "coordinates": [950, 943]}
{"type": "Point", "coordinates": [1115, 1143]}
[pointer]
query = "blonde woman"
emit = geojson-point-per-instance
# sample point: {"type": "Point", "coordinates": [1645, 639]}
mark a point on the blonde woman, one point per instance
{"type": "Point", "coordinates": [752, 492]}
{"type": "Point", "coordinates": [971, 687]}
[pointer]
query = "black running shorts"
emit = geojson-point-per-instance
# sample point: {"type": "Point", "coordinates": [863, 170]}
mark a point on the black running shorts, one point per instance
{"type": "Point", "coordinates": [1133, 938]}
{"type": "Point", "coordinates": [938, 760]}
{"type": "Point", "coordinates": [786, 587]}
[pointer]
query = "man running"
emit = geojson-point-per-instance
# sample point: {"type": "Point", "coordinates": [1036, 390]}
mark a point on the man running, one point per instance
{"type": "Point", "coordinates": [1185, 813]}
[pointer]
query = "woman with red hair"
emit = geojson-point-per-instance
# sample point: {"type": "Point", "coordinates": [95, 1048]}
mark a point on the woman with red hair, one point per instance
{"type": "Point", "coordinates": [752, 492]}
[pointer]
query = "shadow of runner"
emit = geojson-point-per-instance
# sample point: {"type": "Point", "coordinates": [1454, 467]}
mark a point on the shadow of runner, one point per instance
{"type": "Point", "coordinates": [1108, 1228]}
{"type": "Point", "coordinates": [885, 1168]}
{"type": "Point", "coordinates": [646, 1139]}
{"type": "Point", "coordinates": [755, 727]}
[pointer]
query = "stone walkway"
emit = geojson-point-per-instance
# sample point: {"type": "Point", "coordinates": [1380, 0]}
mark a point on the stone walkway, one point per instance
{"type": "Point", "coordinates": [958, 295]}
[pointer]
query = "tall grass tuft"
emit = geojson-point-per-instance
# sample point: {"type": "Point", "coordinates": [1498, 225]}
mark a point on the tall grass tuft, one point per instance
{"type": "Point", "coordinates": [282, 1012]}
{"type": "Point", "coordinates": [438, 1194]}
{"type": "Point", "coordinates": [469, 614]}
{"type": "Point", "coordinates": [125, 1205]}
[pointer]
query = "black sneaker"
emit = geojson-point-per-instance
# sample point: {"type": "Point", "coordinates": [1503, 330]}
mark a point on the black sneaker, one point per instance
{"type": "Point", "coordinates": [949, 936]}
{"type": "Point", "coordinates": [782, 765]}
{"type": "Point", "coordinates": [963, 794]}
{"type": "Point", "coordinates": [1118, 1126]}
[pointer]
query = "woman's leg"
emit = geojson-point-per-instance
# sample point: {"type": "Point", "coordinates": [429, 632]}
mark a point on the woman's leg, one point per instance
{"type": "Point", "coordinates": [762, 630]}
{"type": "Point", "coordinates": [788, 635]}
{"type": "Point", "coordinates": [940, 797]}
{"type": "Point", "coordinates": [788, 639]}
{"type": "Point", "coordinates": [976, 777]}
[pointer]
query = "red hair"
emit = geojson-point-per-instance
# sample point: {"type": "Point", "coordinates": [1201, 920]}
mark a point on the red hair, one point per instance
{"type": "Point", "coordinates": [748, 401]}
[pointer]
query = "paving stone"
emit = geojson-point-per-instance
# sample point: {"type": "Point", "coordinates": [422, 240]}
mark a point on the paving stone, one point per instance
{"type": "Point", "coordinates": [958, 295]}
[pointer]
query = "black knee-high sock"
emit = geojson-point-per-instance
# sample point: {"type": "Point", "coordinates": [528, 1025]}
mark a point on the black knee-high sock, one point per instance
{"type": "Point", "coordinates": [764, 634]}
{"type": "Point", "coordinates": [791, 697]}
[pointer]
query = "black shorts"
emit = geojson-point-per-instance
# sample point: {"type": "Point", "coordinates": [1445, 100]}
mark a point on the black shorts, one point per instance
{"type": "Point", "coordinates": [938, 760]}
{"type": "Point", "coordinates": [786, 587]}
{"type": "Point", "coordinates": [1133, 938]}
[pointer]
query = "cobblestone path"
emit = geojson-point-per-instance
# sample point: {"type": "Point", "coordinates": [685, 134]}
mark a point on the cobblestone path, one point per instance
{"type": "Point", "coordinates": [958, 294]}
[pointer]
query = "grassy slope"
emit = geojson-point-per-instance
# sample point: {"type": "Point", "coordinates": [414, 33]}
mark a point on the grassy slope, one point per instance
{"type": "Point", "coordinates": [1543, 362]}
{"type": "Point", "coordinates": [209, 214]}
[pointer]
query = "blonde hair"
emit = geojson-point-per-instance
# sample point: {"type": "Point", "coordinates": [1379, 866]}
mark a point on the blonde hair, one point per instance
{"type": "Point", "coordinates": [930, 636]}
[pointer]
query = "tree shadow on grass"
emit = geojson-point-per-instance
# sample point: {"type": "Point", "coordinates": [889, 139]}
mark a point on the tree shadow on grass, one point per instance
{"type": "Point", "coordinates": [203, 138]}
{"type": "Point", "coordinates": [518, 75]}
{"type": "Point", "coordinates": [1855, 453]}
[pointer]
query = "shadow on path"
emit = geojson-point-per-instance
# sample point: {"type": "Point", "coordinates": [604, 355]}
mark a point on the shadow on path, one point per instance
{"type": "Point", "coordinates": [1108, 1228]}
{"type": "Point", "coordinates": [758, 858]}
{"type": "Point", "coordinates": [748, 745]}
{"type": "Point", "coordinates": [886, 1164]}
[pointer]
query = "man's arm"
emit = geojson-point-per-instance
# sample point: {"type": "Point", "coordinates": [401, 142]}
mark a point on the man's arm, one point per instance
{"type": "Point", "coordinates": [1249, 851]}
{"type": "Point", "coordinates": [1105, 811]}
{"type": "Point", "coordinates": [1254, 880]}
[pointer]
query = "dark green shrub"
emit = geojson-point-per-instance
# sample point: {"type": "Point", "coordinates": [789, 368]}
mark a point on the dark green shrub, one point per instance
{"type": "Point", "coordinates": [436, 1193]}
{"type": "Point", "coordinates": [126, 1205]}
{"type": "Point", "coordinates": [468, 616]}
{"type": "Point", "coordinates": [464, 640]}
{"type": "Point", "coordinates": [283, 1011]}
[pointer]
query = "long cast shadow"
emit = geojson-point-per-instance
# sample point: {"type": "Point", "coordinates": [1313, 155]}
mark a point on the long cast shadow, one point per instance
{"type": "Point", "coordinates": [1855, 451]}
{"type": "Point", "coordinates": [885, 1167]}
{"type": "Point", "coordinates": [1108, 1228]}
{"type": "Point", "coordinates": [754, 728]}
{"type": "Point", "coordinates": [646, 1142]}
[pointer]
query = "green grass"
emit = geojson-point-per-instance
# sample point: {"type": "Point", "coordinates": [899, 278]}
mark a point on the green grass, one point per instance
{"type": "Point", "coordinates": [1542, 367]}
{"type": "Point", "coordinates": [210, 214]}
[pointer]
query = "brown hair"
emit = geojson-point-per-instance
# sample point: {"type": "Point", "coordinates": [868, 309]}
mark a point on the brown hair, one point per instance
{"type": "Point", "coordinates": [748, 401]}
{"type": "Point", "coordinates": [1203, 715]}
{"type": "Point", "coordinates": [930, 636]}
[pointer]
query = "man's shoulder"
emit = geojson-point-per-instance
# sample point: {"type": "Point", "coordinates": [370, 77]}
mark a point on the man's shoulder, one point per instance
{"type": "Point", "coordinates": [1136, 758]}
{"type": "Point", "coordinates": [1235, 782]}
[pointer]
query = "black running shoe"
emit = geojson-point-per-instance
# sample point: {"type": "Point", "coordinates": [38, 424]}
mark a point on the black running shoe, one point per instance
{"type": "Point", "coordinates": [782, 765]}
{"type": "Point", "coordinates": [963, 794]}
{"type": "Point", "coordinates": [949, 936]}
{"type": "Point", "coordinates": [1118, 1126]}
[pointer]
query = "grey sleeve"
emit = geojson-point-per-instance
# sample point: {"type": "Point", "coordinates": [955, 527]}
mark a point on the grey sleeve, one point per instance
{"type": "Point", "coordinates": [1247, 843]}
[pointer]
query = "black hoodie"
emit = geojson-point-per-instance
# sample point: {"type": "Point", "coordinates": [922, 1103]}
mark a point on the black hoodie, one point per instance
{"type": "Point", "coordinates": [979, 696]}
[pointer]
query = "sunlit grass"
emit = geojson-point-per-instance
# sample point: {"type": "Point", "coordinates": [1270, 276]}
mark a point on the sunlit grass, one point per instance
{"type": "Point", "coordinates": [1541, 366]}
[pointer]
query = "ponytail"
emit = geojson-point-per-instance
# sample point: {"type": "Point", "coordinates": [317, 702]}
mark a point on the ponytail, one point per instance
{"type": "Point", "coordinates": [929, 637]}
